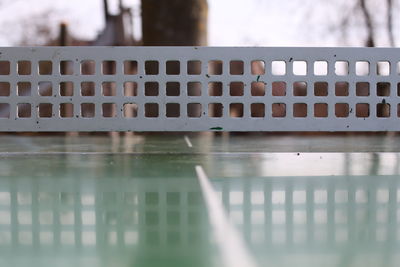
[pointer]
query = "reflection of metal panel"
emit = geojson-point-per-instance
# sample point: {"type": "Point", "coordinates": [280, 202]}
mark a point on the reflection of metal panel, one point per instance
{"type": "Point", "coordinates": [136, 220]}
{"type": "Point", "coordinates": [314, 214]}
{"type": "Point", "coordinates": [242, 89]}
{"type": "Point", "coordinates": [142, 218]}
{"type": "Point", "coordinates": [338, 201]}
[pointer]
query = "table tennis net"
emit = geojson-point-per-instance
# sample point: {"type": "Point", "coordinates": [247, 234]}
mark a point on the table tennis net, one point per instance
{"type": "Point", "coordinates": [199, 89]}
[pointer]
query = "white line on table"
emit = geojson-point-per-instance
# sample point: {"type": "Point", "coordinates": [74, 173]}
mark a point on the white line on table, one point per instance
{"type": "Point", "coordinates": [233, 249]}
{"type": "Point", "coordinates": [187, 140]}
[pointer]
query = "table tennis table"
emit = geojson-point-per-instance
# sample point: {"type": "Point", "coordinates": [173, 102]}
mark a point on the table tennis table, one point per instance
{"type": "Point", "coordinates": [138, 201]}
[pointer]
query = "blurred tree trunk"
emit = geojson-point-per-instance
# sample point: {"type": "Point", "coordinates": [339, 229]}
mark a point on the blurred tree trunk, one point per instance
{"type": "Point", "coordinates": [173, 23]}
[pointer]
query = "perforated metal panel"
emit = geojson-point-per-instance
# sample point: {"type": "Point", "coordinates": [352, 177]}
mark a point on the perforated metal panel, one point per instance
{"type": "Point", "coordinates": [198, 89]}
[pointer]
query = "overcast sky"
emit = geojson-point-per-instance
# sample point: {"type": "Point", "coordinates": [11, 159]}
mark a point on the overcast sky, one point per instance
{"type": "Point", "coordinates": [231, 22]}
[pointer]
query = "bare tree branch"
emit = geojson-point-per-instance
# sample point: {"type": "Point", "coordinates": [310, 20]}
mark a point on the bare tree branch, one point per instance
{"type": "Point", "coordinates": [368, 22]}
{"type": "Point", "coordinates": [346, 20]}
{"type": "Point", "coordinates": [390, 22]}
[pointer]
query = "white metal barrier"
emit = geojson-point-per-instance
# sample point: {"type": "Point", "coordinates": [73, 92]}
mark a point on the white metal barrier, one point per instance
{"type": "Point", "coordinates": [199, 89]}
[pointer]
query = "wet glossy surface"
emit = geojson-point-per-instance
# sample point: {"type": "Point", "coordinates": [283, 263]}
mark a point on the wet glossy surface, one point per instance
{"type": "Point", "coordinates": [136, 201]}
{"type": "Point", "coordinates": [207, 143]}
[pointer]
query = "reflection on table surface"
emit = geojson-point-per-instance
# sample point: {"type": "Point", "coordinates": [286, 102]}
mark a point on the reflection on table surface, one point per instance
{"type": "Point", "coordinates": [318, 221]}
{"type": "Point", "coordinates": [103, 222]}
{"type": "Point", "coordinates": [147, 209]}
{"type": "Point", "coordinates": [341, 221]}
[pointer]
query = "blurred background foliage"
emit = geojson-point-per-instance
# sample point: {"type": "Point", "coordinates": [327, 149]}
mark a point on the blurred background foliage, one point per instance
{"type": "Point", "coordinates": [212, 22]}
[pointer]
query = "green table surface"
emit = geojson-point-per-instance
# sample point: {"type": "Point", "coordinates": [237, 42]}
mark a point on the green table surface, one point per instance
{"type": "Point", "coordinates": [137, 201]}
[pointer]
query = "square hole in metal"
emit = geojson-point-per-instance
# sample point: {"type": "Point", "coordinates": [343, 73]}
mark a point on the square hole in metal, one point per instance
{"type": "Point", "coordinates": [172, 67]}
{"type": "Point", "coordinates": [215, 67]}
{"type": "Point", "coordinates": [362, 68]}
{"type": "Point", "coordinates": [4, 89]}
{"type": "Point", "coordinates": [45, 67]}
{"type": "Point", "coordinates": [66, 67]}
{"type": "Point", "coordinates": [341, 68]}
{"type": "Point", "coordinates": [258, 88]}
{"type": "Point", "coordinates": [398, 110]}
{"type": "Point", "coordinates": [383, 68]}
{"type": "Point", "coordinates": [362, 110]}
{"type": "Point", "coordinates": [278, 88]}
{"type": "Point", "coordinates": [109, 88]}
{"type": "Point", "coordinates": [151, 67]}
{"type": "Point", "coordinates": [257, 110]}
{"type": "Point", "coordinates": [236, 88]}
{"type": "Point", "coordinates": [320, 110]}
{"type": "Point", "coordinates": [87, 110]}
{"type": "Point", "coordinates": [88, 67]}
{"type": "Point", "coordinates": [362, 89]}
{"type": "Point", "coordinates": [194, 67]}
{"type": "Point", "coordinates": [4, 67]}
{"type": "Point", "coordinates": [320, 68]}
{"type": "Point", "coordinates": [215, 88]}
{"type": "Point", "coordinates": [299, 88]}
{"type": "Point", "coordinates": [45, 89]}
{"type": "Point", "coordinates": [173, 89]}
{"type": "Point", "coordinates": [24, 67]}
{"type": "Point", "coordinates": [257, 67]}
{"type": "Point", "coordinates": [109, 67]}
{"type": "Point", "coordinates": [4, 110]}
{"type": "Point", "coordinates": [45, 110]}
{"type": "Point", "coordinates": [66, 110]}
{"type": "Point", "coordinates": [299, 110]}
{"type": "Point", "coordinates": [130, 89]}
{"type": "Point", "coordinates": [194, 89]}
{"type": "Point", "coordinates": [109, 110]}
{"type": "Point", "coordinates": [87, 89]}
{"type": "Point", "coordinates": [342, 89]}
{"type": "Point", "coordinates": [299, 67]}
{"type": "Point", "coordinates": [278, 110]}
{"type": "Point", "coordinates": [398, 89]}
{"type": "Point", "coordinates": [321, 89]}
{"type": "Point", "coordinates": [236, 110]}
{"type": "Point", "coordinates": [383, 110]}
{"type": "Point", "coordinates": [236, 67]}
{"type": "Point", "coordinates": [66, 89]}
{"type": "Point", "coordinates": [130, 110]}
{"type": "Point", "coordinates": [194, 110]}
{"type": "Point", "coordinates": [278, 67]}
{"type": "Point", "coordinates": [24, 88]}
{"type": "Point", "coordinates": [172, 110]}
{"type": "Point", "coordinates": [24, 110]}
{"type": "Point", "coordinates": [341, 110]}
{"type": "Point", "coordinates": [151, 89]}
{"type": "Point", "coordinates": [151, 110]}
{"type": "Point", "coordinates": [130, 67]}
{"type": "Point", "coordinates": [383, 89]}
{"type": "Point", "coordinates": [215, 110]}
